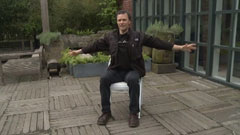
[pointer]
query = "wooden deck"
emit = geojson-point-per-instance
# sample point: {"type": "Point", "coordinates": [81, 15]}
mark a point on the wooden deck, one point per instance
{"type": "Point", "coordinates": [173, 104]}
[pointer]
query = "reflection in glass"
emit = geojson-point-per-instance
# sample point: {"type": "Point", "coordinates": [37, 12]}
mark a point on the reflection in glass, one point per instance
{"type": "Point", "coordinates": [143, 7]}
{"type": "Point", "coordinates": [203, 28]}
{"type": "Point", "coordinates": [220, 62]}
{"type": "Point", "coordinates": [202, 58]}
{"type": "Point", "coordinates": [137, 8]}
{"type": "Point", "coordinates": [176, 6]}
{"type": "Point", "coordinates": [193, 5]}
{"type": "Point", "coordinates": [189, 60]}
{"type": "Point", "coordinates": [204, 5]}
{"type": "Point", "coordinates": [193, 29]}
{"type": "Point", "coordinates": [236, 69]}
{"type": "Point", "coordinates": [238, 32]}
{"type": "Point", "coordinates": [143, 24]}
{"type": "Point", "coordinates": [150, 7]}
{"type": "Point", "coordinates": [138, 26]}
{"type": "Point", "coordinates": [222, 29]}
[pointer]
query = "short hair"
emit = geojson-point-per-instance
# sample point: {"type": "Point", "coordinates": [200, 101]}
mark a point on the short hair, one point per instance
{"type": "Point", "coordinates": [124, 12]}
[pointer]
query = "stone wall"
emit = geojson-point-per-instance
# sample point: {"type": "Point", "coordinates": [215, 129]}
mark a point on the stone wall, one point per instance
{"type": "Point", "coordinates": [53, 51]}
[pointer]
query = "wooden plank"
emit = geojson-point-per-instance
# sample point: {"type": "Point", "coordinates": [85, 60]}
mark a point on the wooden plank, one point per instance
{"type": "Point", "coordinates": [27, 123]}
{"type": "Point", "coordinates": [82, 131]}
{"type": "Point", "coordinates": [60, 132]}
{"type": "Point", "coordinates": [7, 125]}
{"type": "Point", "coordinates": [29, 92]}
{"type": "Point", "coordinates": [33, 126]}
{"type": "Point", "coordinates": [96, 130]}
{"type": "Point", "coordinates": [56, 103]}
{"type": "Point", "coordinates": [68, 131]}
{"type": "Point", "coordinates": [104, 130]}
{"type": "Point", "coordinates": [72, 103]}
{"type": "Point", "coordinates": [89, 130]}
{"type": "Point", "coordinates": [3, 108]}
{"type": "Point", "coordinates": [40, 121]}
{"type": "Point", "coordinates": [61, 101]}
{"type": "Point", "coordinates": [1, 73]}
{"type": "Point", "coordinates": [168, 126]}
{"type": "Point", "coordinates": [46, 120]}
{"type": "Point", "coordinates": [42, 93]}
{"type": "Point", "coordinates": [14, 124]}
{"type": "Point", "coordinates": [75, 131]}
{"type": "Point", "coordinates": [19, 127]}
{"type": "Point", "coordinates": [33, 94]}
{"type": "Point", "coordinates": [66, 101]}
{"type": "Point", "coordinates": [2, 122]}
{"type": "Point", "coordinates": [51, 104]}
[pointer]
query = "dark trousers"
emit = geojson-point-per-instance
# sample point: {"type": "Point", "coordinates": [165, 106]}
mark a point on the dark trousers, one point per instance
{"type": "Point", "coordinates": [112, 76]}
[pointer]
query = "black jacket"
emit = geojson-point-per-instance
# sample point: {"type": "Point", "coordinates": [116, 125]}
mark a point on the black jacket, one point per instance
{"type": "Point", "coordinates": [136, 40]}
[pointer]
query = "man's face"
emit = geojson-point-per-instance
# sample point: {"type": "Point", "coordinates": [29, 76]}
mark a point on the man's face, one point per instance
{"type": "Point", "coordinates": [123, 22]}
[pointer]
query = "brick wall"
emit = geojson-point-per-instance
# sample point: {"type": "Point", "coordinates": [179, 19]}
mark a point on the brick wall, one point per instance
{"type": "Point", "coordinates": [126, 5]}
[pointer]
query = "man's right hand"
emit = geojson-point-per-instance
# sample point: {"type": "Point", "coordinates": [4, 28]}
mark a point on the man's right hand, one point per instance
{"type": "Point", "coordinates": [75, 52]}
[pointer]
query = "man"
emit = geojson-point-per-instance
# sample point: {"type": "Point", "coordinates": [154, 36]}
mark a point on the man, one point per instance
{"type": "Point", "coordinates": [127, 64]}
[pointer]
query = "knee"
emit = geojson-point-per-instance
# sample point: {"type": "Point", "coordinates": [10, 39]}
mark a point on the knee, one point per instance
{"type": "Point", "coordinates": [105, 78]}
{"type": "Point", "coordinates": [132, 79]}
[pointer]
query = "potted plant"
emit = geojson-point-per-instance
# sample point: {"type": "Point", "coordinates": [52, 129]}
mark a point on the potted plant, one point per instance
{"type": "Point", "coordinates": [162, 60]}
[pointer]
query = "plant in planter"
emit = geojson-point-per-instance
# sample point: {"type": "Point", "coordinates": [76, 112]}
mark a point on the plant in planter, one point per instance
{"type": "Point", "coordinates": [85, 65]}
{"type": "Point", "coordinates": [162, 60]}
{"type": "Point", "coordinates": [51, 48]}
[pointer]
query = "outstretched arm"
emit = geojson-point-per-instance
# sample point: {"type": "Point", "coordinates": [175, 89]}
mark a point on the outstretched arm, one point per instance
{"type": "Point", "coordinates": [75, 52]}
{"type": "Point", "coordinates": [186, 47]}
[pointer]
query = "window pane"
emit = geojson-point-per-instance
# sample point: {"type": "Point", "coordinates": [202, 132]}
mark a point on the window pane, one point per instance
{"type": "Point", "coordinates": [193, 28]}
{"type": "Point", "coordinates": [137, 8]}
{"type": "Point", "coordinates": [222, 29]}
{"type": "Point", "coordinates": [236, 69]}
{"type": "Point", "coordinates": [166, 20]}
{"type": "Point", "coordinates": [204, 4]}
{"type": "Point", "coordinates": [143, 7]}
{"type": "Point", "coordinates": [166, 7]}
{"type": "Point", "coordinates": [176, 20]}
{"type": "Point", "coordinates": [224, 5]}
{"type": "Point", "coordinates": [202, 58]}
{"type": "Point", "coordinates": [220, 62]}
{"type": "Point", "coordinates": [157, 5]}
{"type": "Point", "coordinates": [193, 6]}
{"type": "Point", "coordinates": [190, 29]}
{"type": "Point", "coordinates": [150, 7]}
{"type": "Point", "coordinates": [189, 60]}
{"type": "Point", "coordinates": [227, 4]}
{"type": "Point", "coordinates": [138, 26]}
{"type": "Point", "coordinates": [238, 32]}
{"type": "Point", "coordinates": [203, 28]}
{"type": "Point", "coordinates": [177, 7]}
{"type": "Point", "coordinates": [143, 24]}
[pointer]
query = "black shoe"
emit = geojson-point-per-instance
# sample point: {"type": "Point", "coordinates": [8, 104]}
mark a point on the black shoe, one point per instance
{"type": "Point", "coordinates": [103, 119]}
{"type": "Point", "coordinates": [133, 120]}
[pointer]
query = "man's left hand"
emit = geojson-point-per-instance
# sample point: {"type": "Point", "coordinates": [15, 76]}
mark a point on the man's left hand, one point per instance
{"type": "Point", "coordinates": [189, 47]}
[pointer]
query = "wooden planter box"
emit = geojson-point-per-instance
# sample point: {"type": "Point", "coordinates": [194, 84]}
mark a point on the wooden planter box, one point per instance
{"type": "Point", "coordinates": [88, 70]}
{"type": "Point", "coordinates": [95, 69]}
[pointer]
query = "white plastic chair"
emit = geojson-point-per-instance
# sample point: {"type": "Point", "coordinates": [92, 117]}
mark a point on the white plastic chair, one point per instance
{"type": "Point", "coordinates": [122, 86]}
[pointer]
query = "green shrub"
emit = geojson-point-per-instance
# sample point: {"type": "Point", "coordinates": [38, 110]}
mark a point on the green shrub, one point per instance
{"type": "Point", "coordinates": [47, 38]}
{"type": "Point", "coordinates": [158, 28]}
{"type": "Point", "coordinates": [73, 60]}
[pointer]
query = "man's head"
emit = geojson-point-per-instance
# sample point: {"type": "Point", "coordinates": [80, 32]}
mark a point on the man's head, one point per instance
{"type": "Point", "coordinates": [123, 21]}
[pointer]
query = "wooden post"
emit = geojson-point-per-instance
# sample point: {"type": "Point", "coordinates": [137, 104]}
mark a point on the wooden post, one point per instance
{"type": "Point", "coordinates": [31, 45]}
{"type": "Point", "coordinates": [1, 74]}
{"type": "Point", "coordinates": [22, 45]}
{"type": "Point", "coordinates": [44, 15]}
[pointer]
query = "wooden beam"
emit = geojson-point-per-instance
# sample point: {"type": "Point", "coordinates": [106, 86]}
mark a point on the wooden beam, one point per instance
{"type": "Point", "coordinates": [44, 15]}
